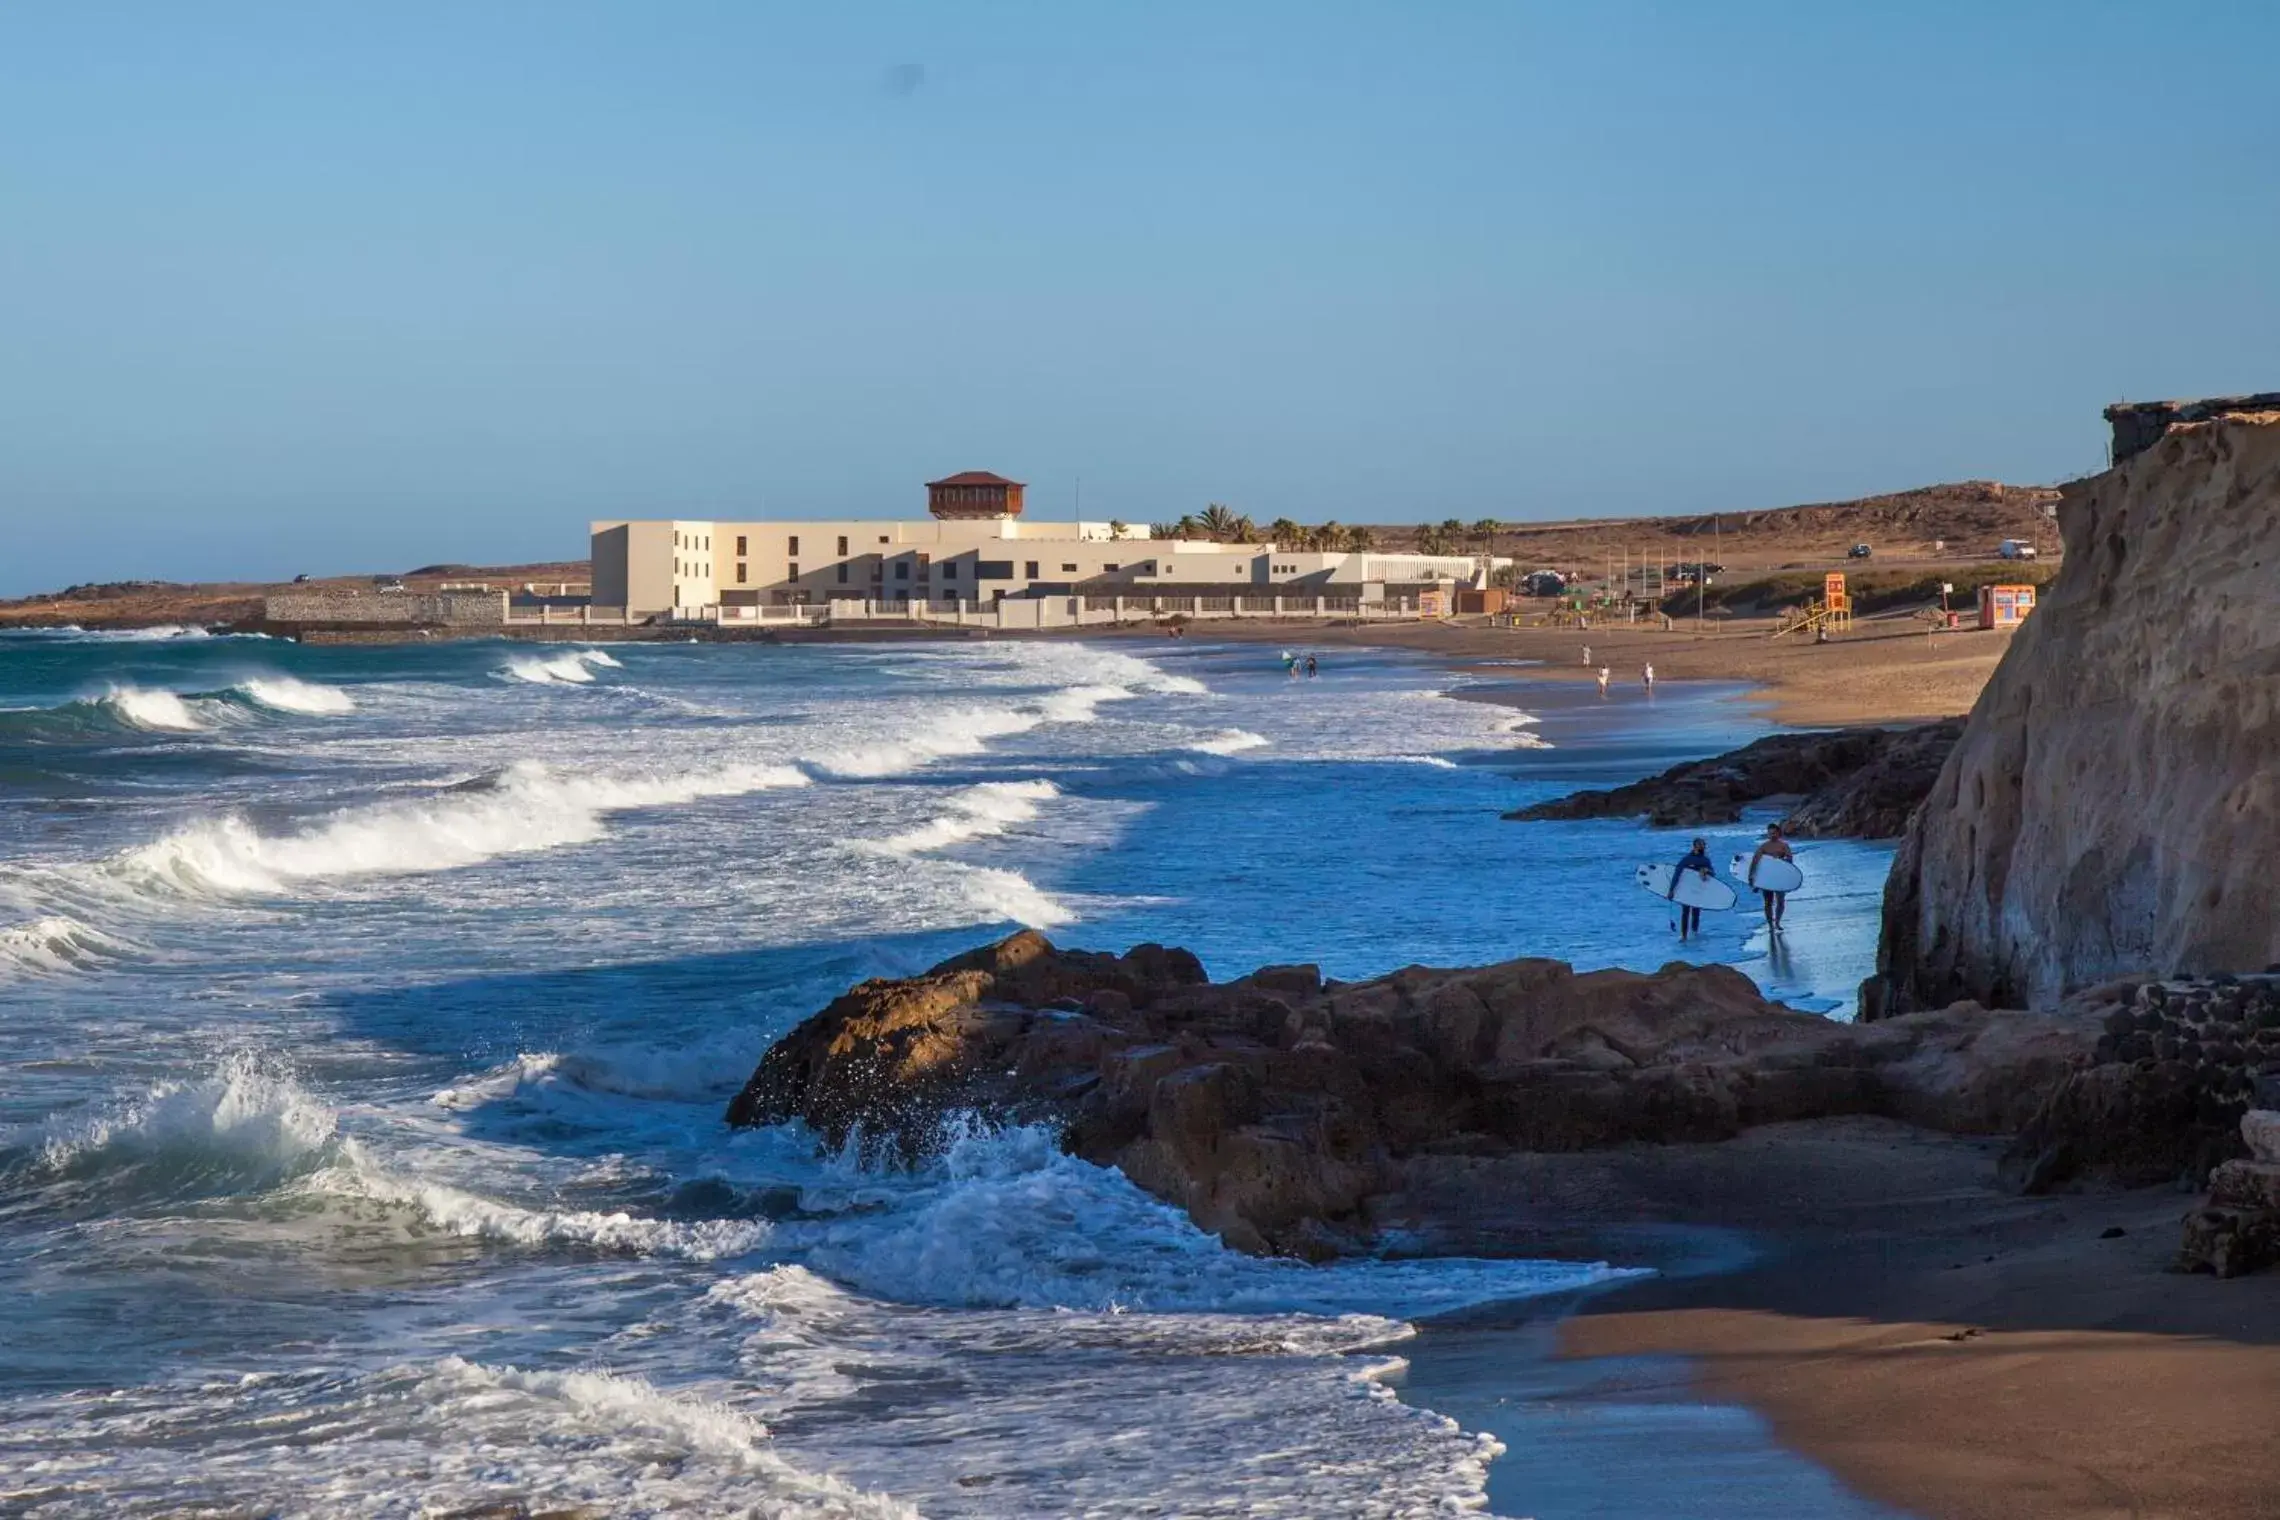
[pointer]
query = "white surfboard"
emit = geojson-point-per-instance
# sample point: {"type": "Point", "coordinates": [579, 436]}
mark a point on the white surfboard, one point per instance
{"type": "Point", "coordinates": [1773, 873]}
{"type": "Point", "coordinates": [1695, 890]}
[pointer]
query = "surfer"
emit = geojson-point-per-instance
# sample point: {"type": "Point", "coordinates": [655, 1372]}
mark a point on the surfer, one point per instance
{"type": "Point", "coordinates": [1604, 673]}
{"type": "Point", "coordinates": [1690, 919]}
{"type": "Point", "coordinates": [1776, 846]}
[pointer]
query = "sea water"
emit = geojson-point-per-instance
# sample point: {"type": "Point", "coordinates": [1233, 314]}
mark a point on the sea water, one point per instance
{"type": "Point", "coordinates": [367, 1016]}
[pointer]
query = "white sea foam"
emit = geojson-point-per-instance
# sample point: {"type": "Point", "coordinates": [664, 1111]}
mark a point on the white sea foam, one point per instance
{"type": "Point", "coordinates": [1009, 896]}
{"type": "Point", "coordinates": [975, 813]}
{"type": "Point", "coordinates": [1007, 1219]}
{"type": "Point", "coordinates": [286, 695]}
{"type": "Point", "coordinates": [1228, 741]}
{"type": "Point", "coordinates": [448, 1436]}
{"type": "Point", "coordinates": [573, 668]}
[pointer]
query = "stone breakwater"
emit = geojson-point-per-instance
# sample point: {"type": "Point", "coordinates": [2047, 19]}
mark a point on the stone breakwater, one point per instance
{"type": "Point", "coordinates": [1278, 1109]}
{"type": "Point", "coordinates": [2176, 1065]}
{"type": "Point", "coordinates": [1854, 783]}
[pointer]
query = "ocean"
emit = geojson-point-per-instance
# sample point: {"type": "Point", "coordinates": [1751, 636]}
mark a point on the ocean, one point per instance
{"type": "Point", "coordinates": [367, 1015]}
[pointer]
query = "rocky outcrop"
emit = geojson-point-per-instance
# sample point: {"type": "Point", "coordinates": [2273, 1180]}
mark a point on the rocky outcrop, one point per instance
{"type": "Point", "coordinates": [1274, 1108]}
{"type": "Point", "coordinates": [1857, 783]}
{"type": "Point", "coordinates": [2139, 425]}
{"type": "Point", "coordinates": [2161, 1098]}
{"type": "Point", "coordinates": [2114, 804]}
{"type": "Point", "coordinates": [2239, 1228]}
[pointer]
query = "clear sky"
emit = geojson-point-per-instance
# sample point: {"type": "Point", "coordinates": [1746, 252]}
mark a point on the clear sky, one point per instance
{"type": "Point", "coordinates": [330, 286]}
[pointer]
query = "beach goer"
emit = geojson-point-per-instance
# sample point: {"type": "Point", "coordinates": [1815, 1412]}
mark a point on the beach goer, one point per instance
{"type": "Point", "coordinates": [1587, 654]}
{"type": "Point", "coordinates": [1698, 859]}
{"type": "Point", "coordinates": [1604, 673]}
{"type": "Point", "coordinates": [1776, 846]}
{"type": "Point", "coordinates": [1648, 675]}
{"type": "Point", "coordinates": [1310, 667]}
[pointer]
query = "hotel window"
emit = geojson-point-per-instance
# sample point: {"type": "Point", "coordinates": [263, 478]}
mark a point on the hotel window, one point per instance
{"type": "Point", "coordinates": [950, 570]}
{"type": "Point", "coordinates": [1029, 570]}
{"type": "Point", "coordinates": [792, 573]}
{"type": "Point", "coordinates": [843, 543]}
{"type": "Point", "coordinates": [740, 572]}
{"type": "Point", "coordinates": [994, 570]}
{"type": "Point", "coordinates": [795, 548]}
{"type": "Point", "coordinates": [902, 569]}
{"type": "Point", "coordinates": [882, 538]}
{"type": "Point", "coordinates": [741, 551]}
{"type": "Point", "coordinates": [1068, 569]}
{"type": "Point", "coordinates": [878, 571]}
{"type": "Point", "coordinates": [843, 569]}
{"type": "Point", "coordinates": [1110, 569]}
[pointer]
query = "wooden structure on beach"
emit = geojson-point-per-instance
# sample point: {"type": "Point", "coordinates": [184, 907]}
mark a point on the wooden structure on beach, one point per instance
{"type": "Point", "coordinates": [1833, 611]}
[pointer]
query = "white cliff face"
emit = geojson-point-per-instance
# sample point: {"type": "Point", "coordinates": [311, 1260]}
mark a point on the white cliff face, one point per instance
{"type": "Point", "coordinates": [2114, 803]}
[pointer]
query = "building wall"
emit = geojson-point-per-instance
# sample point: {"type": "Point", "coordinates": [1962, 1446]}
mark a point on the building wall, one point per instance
{"type": "Point", "coordinates": [690, 565]}
{"type": "Point", "coordinates": [471, 609]}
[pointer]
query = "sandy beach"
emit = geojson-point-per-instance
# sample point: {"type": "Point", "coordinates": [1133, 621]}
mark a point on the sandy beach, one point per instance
{"type": "Point", "coordinates": [1939, 1345]}
{"type": "Point", "coordinates": [1887, 670]}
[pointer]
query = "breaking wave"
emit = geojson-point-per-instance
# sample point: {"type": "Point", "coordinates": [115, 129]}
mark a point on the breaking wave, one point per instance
{"type": "Point", "coordinates": [529, 806]}
{"type": "Point", "coordinates": [54, 943]}
{"type": "Point", "coordinates": [284, 694]}
{"type": "Point", "coordinates": [574, 668]}
{"type": "Point", "coordinates": [149, 710]}
{"type": "Point", "coordinates": [455, 1211]}
{"type": "Point", "coordinates": [242, 1129]}
{"type": "Point", "coordinates": [975, 813]}
{"type": "Point", "coordinates": [1228, 741]}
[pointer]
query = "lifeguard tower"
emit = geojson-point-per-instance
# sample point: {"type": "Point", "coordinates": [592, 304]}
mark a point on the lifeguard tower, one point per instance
{"type": "Point", "coordinates": [1833, 611]}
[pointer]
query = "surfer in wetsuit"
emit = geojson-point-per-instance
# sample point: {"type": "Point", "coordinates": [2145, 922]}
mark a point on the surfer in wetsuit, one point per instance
{"type": "Point", "coordinates": [1776, 846]}
{"type": "Point", "coordinates": [1690, 919]}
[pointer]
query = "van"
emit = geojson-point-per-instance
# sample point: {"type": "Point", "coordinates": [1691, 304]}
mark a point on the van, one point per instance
{"type": "Point", "coordinates": [2015, 548]}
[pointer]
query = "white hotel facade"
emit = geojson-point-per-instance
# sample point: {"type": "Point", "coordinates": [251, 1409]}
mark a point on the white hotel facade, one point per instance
{"type": "Point", "coordinates": [972, 550]}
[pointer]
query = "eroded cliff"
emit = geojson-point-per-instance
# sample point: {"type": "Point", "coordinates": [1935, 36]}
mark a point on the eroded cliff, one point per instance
{"type": "Point", "coordinates": [2114, 804]}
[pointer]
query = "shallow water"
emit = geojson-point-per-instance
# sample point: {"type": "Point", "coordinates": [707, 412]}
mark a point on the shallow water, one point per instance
{"type": "Point", "coordinates": [367, 1014]}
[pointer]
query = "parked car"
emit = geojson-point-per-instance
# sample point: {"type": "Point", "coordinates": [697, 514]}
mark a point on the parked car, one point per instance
{"type": "Point", "coordinates": [386, 583]}
{"type": "Point", "coordinates": [2015, 548]}
{"type": "Point", "coordinates": [301, 580]}
{"type": "Point", "coordinates": [1859, 551]}
{"type": "Point", "coordinates": [1545, 583]}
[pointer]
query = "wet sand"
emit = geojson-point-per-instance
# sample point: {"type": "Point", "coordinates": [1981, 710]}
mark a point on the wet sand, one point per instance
{"type": "Point", "coordinates": [1887, 670]}
{"type": "Point", "coordinates": [1932, 1344]}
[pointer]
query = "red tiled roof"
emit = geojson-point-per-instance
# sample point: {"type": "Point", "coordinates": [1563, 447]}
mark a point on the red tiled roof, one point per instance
{"type": "Point", "coordinates": [972, 478]}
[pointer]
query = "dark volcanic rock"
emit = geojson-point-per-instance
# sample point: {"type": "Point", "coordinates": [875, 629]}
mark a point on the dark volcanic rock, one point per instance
{"type": "Point", "coordinates": [1275, 1107]}
{"type": "Point", "coordinates": [1855, 782]}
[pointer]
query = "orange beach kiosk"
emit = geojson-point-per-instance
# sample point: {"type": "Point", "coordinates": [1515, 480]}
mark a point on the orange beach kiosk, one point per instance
{"type": "Point", "coordinates": [2005, 606]}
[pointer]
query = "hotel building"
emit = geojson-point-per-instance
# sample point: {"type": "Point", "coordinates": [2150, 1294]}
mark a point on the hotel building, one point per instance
{"type": "Point", "coordinates": [972, 548]}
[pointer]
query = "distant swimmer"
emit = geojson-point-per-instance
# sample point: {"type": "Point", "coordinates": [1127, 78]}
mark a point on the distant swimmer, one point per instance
{"type": "Point", "coordinates": [1649, 676]}
{"type": "Point", "coordinates": [1604, 673]}
{"type": "Point", "coordinates": [1690, 919]}
{"type": "Point", "coordinates": [1777, 847]}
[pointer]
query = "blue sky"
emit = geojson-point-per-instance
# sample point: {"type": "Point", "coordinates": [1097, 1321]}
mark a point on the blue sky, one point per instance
{"type": "Point", "coordinates": [335, 286]}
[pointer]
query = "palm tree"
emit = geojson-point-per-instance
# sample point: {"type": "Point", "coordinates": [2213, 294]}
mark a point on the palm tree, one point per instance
{"type": "Point", "coordinates": [1218, 522]}
{"type": "Point", "coordinates": [1330, 537]}
{"type": "Point", "coordinates": [1187, 527]}
{"type": "Point", "coordinates": [1166, 530]}
{"type": "Point", "coordinates": [1286, 534]}
{"type": "Point", "coordinates": [1360, 540]}
{"type": "Point", "coordinates": [1245, 531]}
{"type": "Point", "coordinates": [1429, 540]}
{"type": "Point", "coordinates": [1116, 528]}
{"type": "Point", "coordinates": [1485, 532]}
{"type": "Point", "coordinates": [1452, 535]}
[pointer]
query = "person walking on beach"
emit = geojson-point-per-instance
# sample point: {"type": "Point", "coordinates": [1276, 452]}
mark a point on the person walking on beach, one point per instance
{"type": "Point", "coordinates": [1587, 656]}
{"type": "Point", "coordinates": [1690, 919]}
{"type": "Point", "coordinates": [1604, 673]}
{"type": "Point", "coordinates": [1310, 667]}
{"type": "Point", "coordinates": [1775, 902]}
{"type": "Point", "coordinates": [1649, 676]}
